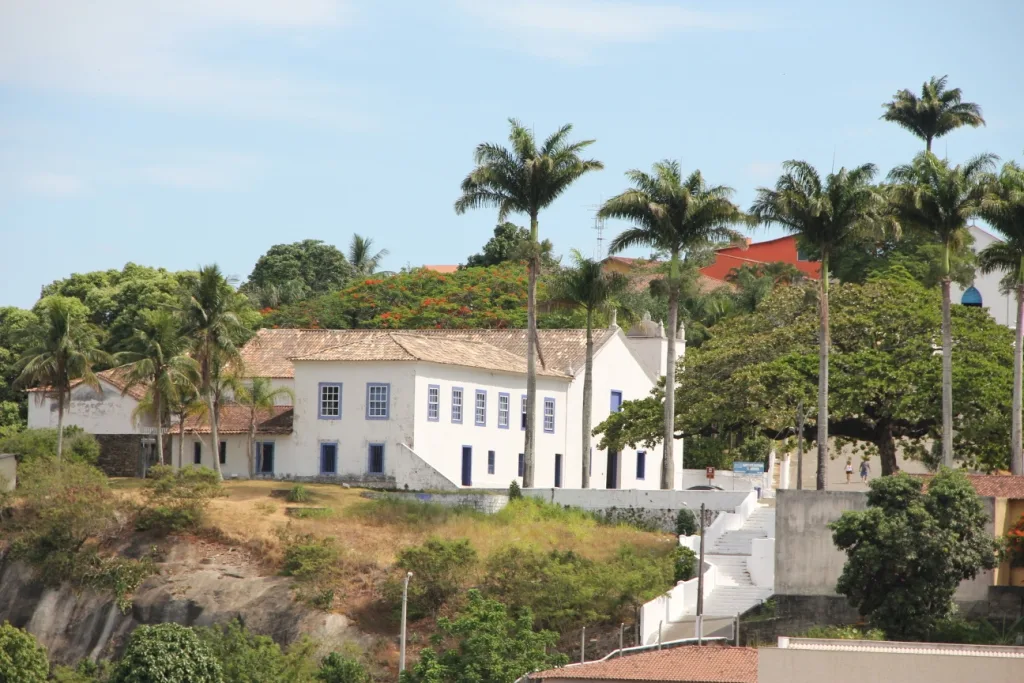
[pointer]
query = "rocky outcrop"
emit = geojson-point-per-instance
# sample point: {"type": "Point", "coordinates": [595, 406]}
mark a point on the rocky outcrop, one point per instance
{"type": "Point", "coordinates": [197, 584]}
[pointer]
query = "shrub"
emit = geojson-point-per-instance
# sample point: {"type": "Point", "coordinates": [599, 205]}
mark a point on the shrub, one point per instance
{"type": "Point", "coordinates": [246, 657]}
{"type": "Point", "coordinates": [684, 563]}
{"type": "Point", "coordinates": [337, 668]}
{"type": "Point", "coordinates": [299, 494]}
{"type": "Point", "coordinates": [22, 658]}
{"type": "Point", "coordinates": [166, 653]}
{"type": "Point", "coordinates": [311, 513]}
{"type": "Point", "coordinates": [34, 444]}
{"type": "Point", "coordinates": [686, 523]}
{"type": "Point", "coordinates": [87, 671]}
{"type": "Point", "coordinates": [440, 569]}
{"type": "Point", "coordinates": [514, 492]}
{"type": "Point", "coordinates": [844, 633]}
{"type": "Point", "coordinates": [309, 558]}
{"type": "Point", "coordinates": [176, 500]}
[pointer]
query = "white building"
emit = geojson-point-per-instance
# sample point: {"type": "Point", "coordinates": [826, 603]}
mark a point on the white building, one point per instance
{"type": "Point", "coordinates": [1000, 305]}
{"type": "Point", "coordinates": [436, 409]}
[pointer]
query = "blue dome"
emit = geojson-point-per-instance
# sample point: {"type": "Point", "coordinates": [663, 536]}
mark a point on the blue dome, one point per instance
{"type": "Point", "coordinates": [971, 297]}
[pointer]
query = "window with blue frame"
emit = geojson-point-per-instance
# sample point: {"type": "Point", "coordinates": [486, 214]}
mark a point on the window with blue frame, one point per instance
{"type": "Point", "coordinates": [558, 470]}
{"type": "Point", "coordinates": [504, 410]}
{"type": "Point", "coordinates": [329, 458]}
{"type": "Point", "coordinates": [641, 464]}
{"type": "Point", "coordinates": [457, 405]}
{"type": "Point", "coordinates": [522, 464]}
{"type": "Point", "coordinates": [616, 404]}
{"type": "Point", "coordinates": [265, 457]}
{"type": "Point", "coordinates": [330, 401]}
{"type": "Point", "coordinates": [480, 408]}
{"type": "Point", "coordinates": [434, 402]}
{"type": "Point", "coordinates": [522, 421]}
{"type": "Point", "coordinates": [549, 415]}
{"type": "Point", "coordinates": [490, 462]}
{"type": "Point", "coordinates": [376, 463]}
{"type": "Point", "coordinates": [377, 401]}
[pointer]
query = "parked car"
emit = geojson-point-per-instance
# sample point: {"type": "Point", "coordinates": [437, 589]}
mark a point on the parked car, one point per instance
{"type": "Point", "coordinates": [705, 487]}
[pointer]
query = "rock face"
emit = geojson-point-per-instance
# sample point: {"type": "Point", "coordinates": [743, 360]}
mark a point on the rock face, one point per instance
{"type": "Point", "coordinates": [197, 585]}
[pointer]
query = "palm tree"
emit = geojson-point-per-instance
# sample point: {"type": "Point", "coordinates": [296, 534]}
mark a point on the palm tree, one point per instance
{"type": "Point", "coordinates": [673, 215]}
{"type": "Point", "coordinates": [826, 216]}
{"type": "Point", "coordinates": [63, 347]}
{"type": "Point", "coordinates": [160, 361]}
{"type": "Point", "coordinates": [526, 179]}
{"type": "Point", "coordinates": [939, 200]}
{"type": "Point", "coordinates": [936, 112]}
{"type": "Point", "coordinates": [210, 317]}
{"type": "Point", "coordinates": [1004, 210]}
{"type": "Point", "coordinates": [360, 255]}
{"type": "Point", "coordinates": [259, 396]}
{"type": "Point", "coordinates": [586, 285]}
{"type": "Point", "coordinates": [186, 403]}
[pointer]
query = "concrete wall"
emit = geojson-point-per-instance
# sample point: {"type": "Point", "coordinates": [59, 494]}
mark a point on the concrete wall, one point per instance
{"type": "Point", "coordinates": [98, 412]}
{"type": "Point", "coordinates": [236, 463]}
{"type": "Point", "coordinates": [8, 471]}
{"type": "Point", "coordinates": [785, 665]}
{"type": "Point", "coordinates": [598, 499]}
{"type": "Point", "coordinates": [999, 305]}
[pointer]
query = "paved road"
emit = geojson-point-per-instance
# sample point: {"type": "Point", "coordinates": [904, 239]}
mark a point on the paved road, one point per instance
{"type": "Point", "coordinates": [836, 477]}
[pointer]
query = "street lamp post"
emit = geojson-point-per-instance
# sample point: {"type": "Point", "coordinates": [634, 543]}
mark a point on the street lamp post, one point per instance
{"type": "Point", "coordinates": [405, 610]}
{"type": "Point", "coordinates": [700, 579]}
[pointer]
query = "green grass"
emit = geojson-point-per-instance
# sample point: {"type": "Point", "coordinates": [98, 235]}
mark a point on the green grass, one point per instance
{"type": "Point", "coordinates": [310, 513]}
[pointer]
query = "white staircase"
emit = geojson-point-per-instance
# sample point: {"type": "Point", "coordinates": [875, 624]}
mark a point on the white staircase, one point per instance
{"type": "Point", "coordinates": [734, 592]}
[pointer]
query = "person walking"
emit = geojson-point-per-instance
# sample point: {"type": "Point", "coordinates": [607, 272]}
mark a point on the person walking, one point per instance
{"type": "Point", "coordinates": [849, 469]}
{"type": "Point", "coordinates": [865, 470]}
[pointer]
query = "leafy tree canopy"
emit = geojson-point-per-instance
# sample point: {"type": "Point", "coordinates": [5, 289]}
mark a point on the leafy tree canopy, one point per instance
{"type": "Point", "coordinates": [22, 658]}
{"type": "Point", "coordinates": [884, 374]}
{"type": "Point", "coordinates": [908, 551]}
{"type": "Point", "coordinates": [167, 653]}
{"type": "Point", "coordinates": [507, 244]}
{"type": "Point", "coordinates": [290, 272]}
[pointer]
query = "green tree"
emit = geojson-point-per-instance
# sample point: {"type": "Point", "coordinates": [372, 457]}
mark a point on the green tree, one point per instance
{"type": "Point", "coordinates": [908, 551]}
{"type": "Point", "coordinates": [159, 360]}
{"type": "Point", "coordinates": [487, 645]}
{"type": "Point", "coordinates": [673, 215]}
{"type": "Point", "coordinates": [337, 668]}
{"type": "Point", "coordinates": [932, 196]}
{"type": "Point", "coordinates": [259, 396]}
{"type": "Point", "coordinates": [526, 179]}
{"type": "Point", "coordinates": [586, 285]}
{"type": "Point", "coordinates": [1004, 210]}
{"type": "Point", "coordinates": [32, 444]}
{"type": "Point", "coordinates": [13, 325]}
{"type": "Point", "coordinates": [826, 215]}
{"type": "Point", "coordinates": [508, 244]}
{"type": "Point", "coordinates": [361, 257]}
{"type": "Point", "coordinates": [22, 658]}
{"type": "Point", "coordinates": [64, 348]}
{"type": "Point", "coordinates": [936, 112]}
{"type": "Point", "coordinates": [291, 272]}
{"type": "Point", "coordinates": [440, 567]}
{"type": "Point", "coordinates": [166, 653]}
{"type": "Point", "coordinates": [210, 315]}
{"type": "Point", "coordinates": [245, 657]}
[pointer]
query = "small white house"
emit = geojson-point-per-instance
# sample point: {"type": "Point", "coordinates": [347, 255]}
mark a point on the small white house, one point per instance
{"type": "Point", "coordinates": [437, 409]}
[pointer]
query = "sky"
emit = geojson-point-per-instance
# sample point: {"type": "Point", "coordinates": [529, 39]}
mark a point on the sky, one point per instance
{"type": "Point", "coordinates": [177, 133]}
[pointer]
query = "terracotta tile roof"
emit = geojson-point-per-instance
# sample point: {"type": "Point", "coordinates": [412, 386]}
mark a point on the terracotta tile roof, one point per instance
{"type": "Point", "coordinates": [993, 485]}
{"type": "Point", "coordinates": [268, 354]}
{"type": "Point", "coordinates": [115, 377]}
{"type": "Point", "coordinates": [644, 271]}
{"type": "Point", "coordinates": [687, 664]}
{"type": "Point", "coordinates": [442, 269]}
{"type": "Point", "coordinates": [234, 419]}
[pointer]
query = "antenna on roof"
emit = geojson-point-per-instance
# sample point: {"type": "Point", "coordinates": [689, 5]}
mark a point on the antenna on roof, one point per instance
{"type": "Point", "coordinates": [599, 228]}
{"type": "Point", "coordinates": [833, 158]}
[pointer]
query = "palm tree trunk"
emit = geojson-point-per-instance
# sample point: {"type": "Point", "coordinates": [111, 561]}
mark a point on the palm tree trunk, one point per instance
{"type": "Point", "coordinates": [1016, 461]}
{"type": "Point", "coordinates": [213, 434]}
{"type": "Point", "coordinates": [60, 426]}
{"type": "Point", "coordinates": [928, 144]}
{"type": "Point", "coordinates": [823, 344]}
{"type": "Point", "coordinates": [668, 447]}
{"type": "Point", "coordinates": [588, 399]}
{"type": "Point", "coordinates": [947, 372]}
{"type": "Point", "coordinates": [181, 440]}
{"type": "Point", "coordinates": [529, 447]}
{"type": "Point", "coordinates": [800, 446]}
{"type": "Point", "coordinates": [252, 445]}
{"type": "Point", "coordinates": [159, 428]}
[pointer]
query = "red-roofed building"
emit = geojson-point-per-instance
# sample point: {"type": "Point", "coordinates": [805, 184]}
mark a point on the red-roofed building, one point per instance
{"type": "Point", "coordinates": [687, 664]}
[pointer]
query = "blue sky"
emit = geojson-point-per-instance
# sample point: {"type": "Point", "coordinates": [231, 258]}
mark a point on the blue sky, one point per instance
{"type": "Point", "coordinates": [181, 132]}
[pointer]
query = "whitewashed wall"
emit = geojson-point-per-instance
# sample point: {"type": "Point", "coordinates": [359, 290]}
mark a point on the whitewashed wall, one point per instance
{"type": "Point", "coordinates": [440, 443]}
{"type": "Point", "coordinates": [236, 457]}
{"type": "Point", "coordinates": [1000, 306]}
{"type": "Point", "coordinates": [97, 412]}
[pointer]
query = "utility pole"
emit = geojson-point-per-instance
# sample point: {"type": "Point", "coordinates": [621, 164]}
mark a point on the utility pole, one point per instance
{"type": "Point", "coordinates": [700, 569]}
{"type": "Point", "coordinates": [405, 611]}
{"type": "Point", "coordinates": [800, 446]}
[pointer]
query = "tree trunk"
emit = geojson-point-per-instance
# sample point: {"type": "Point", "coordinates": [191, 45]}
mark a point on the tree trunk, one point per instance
{"type": "Point", "coordinates": [181, 440]}
{"type": "Point", "coordinates": [159, 428]}
{"type": "Point", "coordinates": [60, 426]}
{"type": "Point", "coordinates": [1016, 459]}
{"type": "Point", "coordinates": [800, 446]}
{"type": "Point", "coordinates": [668, 447]}
{"type": "Point", "coordinates": [252, 446]}
{"type": "Point", "coordinates": [529, 447]}
{"type": "Point", "coordinates": [947, 376]}
{"type": "Point", "coordinates": [928, 143]}
{"type": "Point", "coordinates": [823, 344]}
{"type": "Point", "coordinates": [214, 435]}
{"type": "Point", "coordinates": [588, 399]}
{"type": "Point", "coordinates": [886, 448]}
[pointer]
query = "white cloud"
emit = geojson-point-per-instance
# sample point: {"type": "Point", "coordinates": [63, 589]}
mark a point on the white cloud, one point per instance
{"type": "Point", "coordinates": [157, 52]}
{"type": "Point", "coordinates": [49, 184]}
{"type": "Point", "coordinates": [573, 30]}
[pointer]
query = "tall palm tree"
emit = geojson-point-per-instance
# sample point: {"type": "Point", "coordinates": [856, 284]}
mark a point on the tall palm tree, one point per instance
{"type": "Point", "coordinates": [526, 179]}
{"type": "Point", "coordinates": [62, 349]}
{"type": "Point", "coordinates": [938, 199]}
{"type": "Point", "coordinates": [360, 255]}
{"type": "Point", "coordinates": [674, 215]}
{"type": "Point", "coordinates": [210, 319]}
{"type": "Point", "coordinates": [1004, 210]}
{"type": "Point", "coordinates": [586, 285]}
{"type": "Point", "coordinates": [936, 112]}
{"type": "Point", "coordinates": [186, 403]}
{"type": "Point", "coordinates": [159, 360]}
{"type": "Point", "coordinates": [259, 396]}
{"type": "Point", "coordinates": [826, 216]}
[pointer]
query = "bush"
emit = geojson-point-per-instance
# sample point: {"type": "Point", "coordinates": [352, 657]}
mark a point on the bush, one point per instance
{"type": "Point", "coordinates": [166, 653]}
{"type": "Point", "coordinates": [686, 523]}
{"type": "Point", "coordinates": [514, 492]}
{"type": "Point", "coordinates": [87, 671]}
{"type": "Point", "coordinates": [22, 658]}
{"type": "Point", "coordinates": [336, 668]}
{"type": "Point", "coordinates": [245, 657]}
{"type": "Point", "coordinates": [176, 500]}
{"type": "Point", "coordinates": [310, 513]}
{"type": "Point", "coordinates": [684, 562]}
{"type": "Point", "coordinates": [35, 444]}
{"type": "Point", "coordinates": [844, 633]}
{"type": "Point", "coordinates": [440, 569]}
{"type": "Point", "coordinates": [309, 558]}
{"type": "Point", "coordinates": [299, 494]}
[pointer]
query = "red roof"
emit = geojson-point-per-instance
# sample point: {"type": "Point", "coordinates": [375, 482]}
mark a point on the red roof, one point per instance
{"type": "Point", "coordinates": [993, 485]}
{"type": "Point", "coordinates": [442, 268]}
{"type": "Point", "coordinates": [781, 249]}
{"type": "Point", "coordinates": [687, 664]}
{"type": "Point", "coordinates": [234, 419]}
{"type": "Point", "coordinates": [115, 377]}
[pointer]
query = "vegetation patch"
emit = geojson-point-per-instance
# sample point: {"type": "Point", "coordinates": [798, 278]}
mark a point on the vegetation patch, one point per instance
{"type": "Point", "coordinates": [176, 500]}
